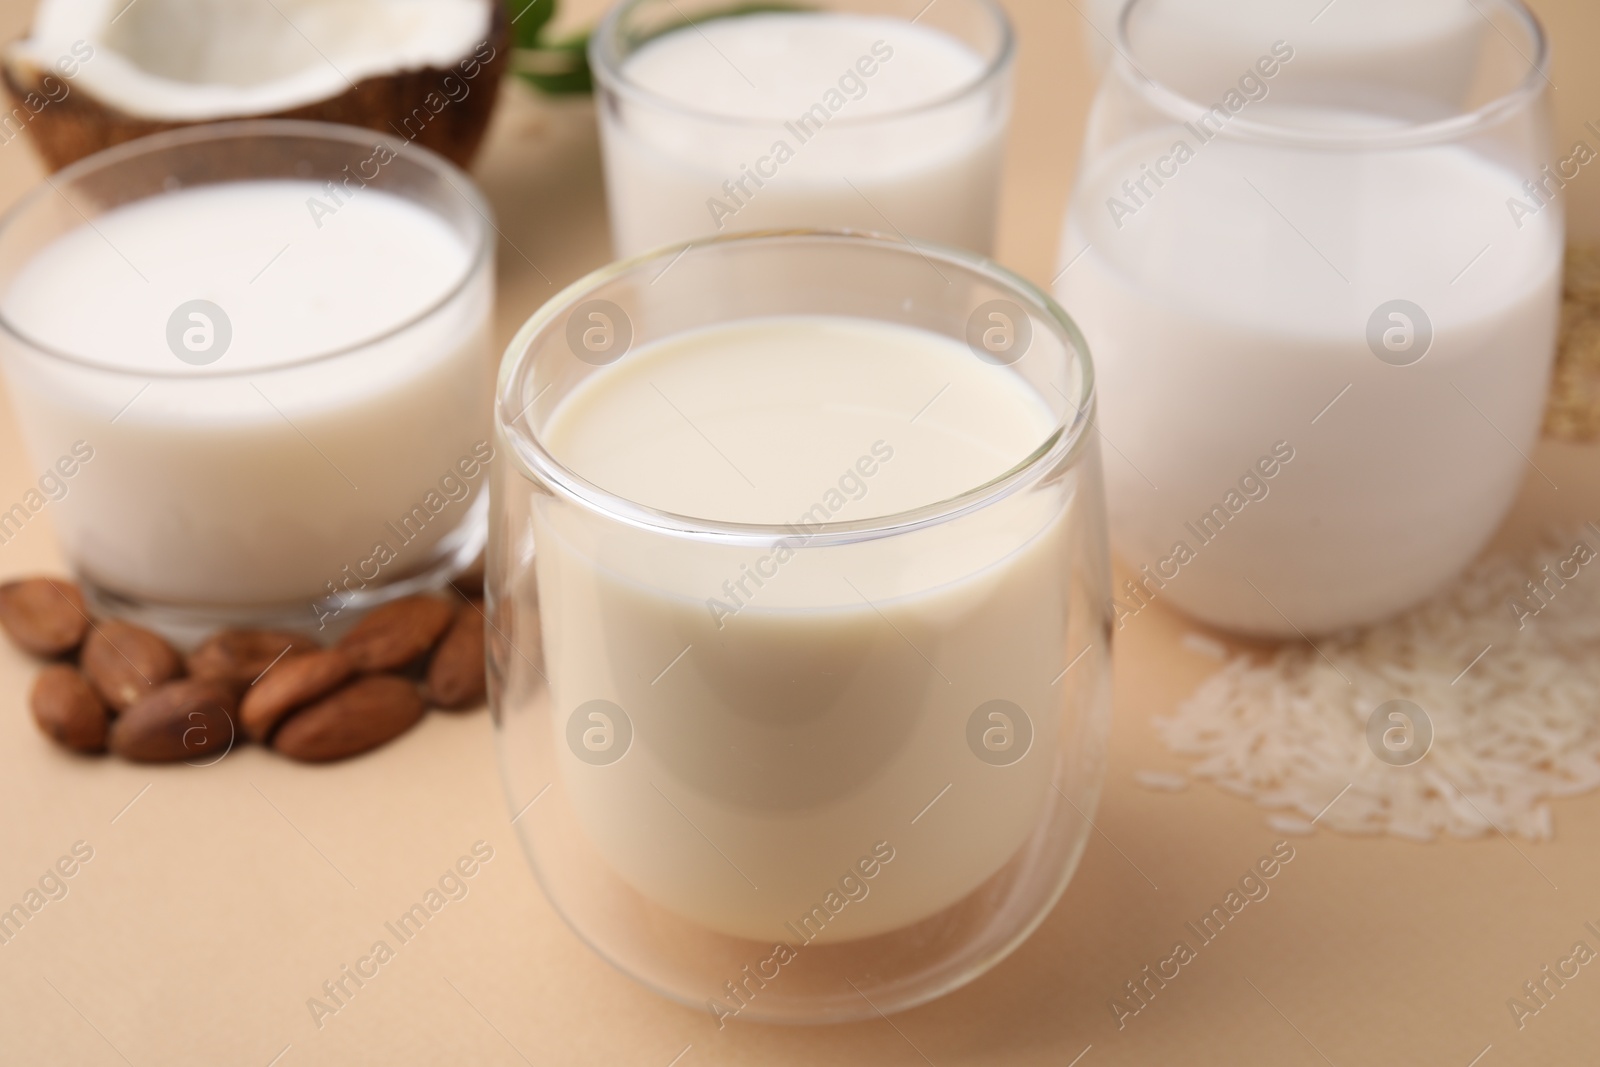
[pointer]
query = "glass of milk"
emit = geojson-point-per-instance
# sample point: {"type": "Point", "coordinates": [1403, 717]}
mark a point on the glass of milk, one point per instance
{"type": "Point", "coordinates": [1323, 305]}
{"type": "Point", "coordinates": [262, 349]}
{"type": "Point", "coordinates": [880, 115]}
{"type": "Point", "coordinates": [798, 580]}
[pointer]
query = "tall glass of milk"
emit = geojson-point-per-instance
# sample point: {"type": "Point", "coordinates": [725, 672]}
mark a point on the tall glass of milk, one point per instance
{"type": "Point", "coordinates": [881, 115]}
{"type": "Point", "coordinates": [262, 349]}
{"type": "Point", "coordinates": [798, 588]}
{"type": "Point", "coordinates": [1323, 308]}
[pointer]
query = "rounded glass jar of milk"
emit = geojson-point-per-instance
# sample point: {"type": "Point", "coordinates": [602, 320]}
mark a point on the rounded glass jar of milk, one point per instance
{"type": "Point", "coordinates": [798, 577]}
{"type": "Point", "coordinates": [882, 115]}
{"type": "Point", "coordinates": [262, 349]}
{"type": "Point", "coordinates": [1322, 289]}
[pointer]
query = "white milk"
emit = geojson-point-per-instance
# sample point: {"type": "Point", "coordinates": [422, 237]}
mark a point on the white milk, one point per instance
{"type": "Point", "coordinates": [251, 482]}
{"type": "Point", "coordinates": [1218, 331]}
{"type": "Point", "coordinates": [1429, 47]}
{"type": "Point", "coordinates": [767, 121]}
{"type": "Point", "coordinates": [813, 710]}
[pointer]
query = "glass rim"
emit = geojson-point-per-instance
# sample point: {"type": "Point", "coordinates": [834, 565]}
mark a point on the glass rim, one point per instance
{"type": "Point", "coordinates": [283, 129]}
{"type": "Point", "coordinates": [606, 60]}
{"type": "Point", "coordinates": [1177, 105]}
{"type": "Point", "coordinates": [1064, 443]}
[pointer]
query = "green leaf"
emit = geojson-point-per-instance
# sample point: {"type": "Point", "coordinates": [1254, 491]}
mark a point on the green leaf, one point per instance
{"type": "Point", "coordinates": [528, 20]}
{"type": "Point", "coordinates": [756, 7]}
{"type": "Point", "coordinates": [559, 69]}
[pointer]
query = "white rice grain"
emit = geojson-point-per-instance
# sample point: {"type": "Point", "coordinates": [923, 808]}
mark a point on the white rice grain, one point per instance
{"type": "Point", "coordinates": [1205, 646]}
{"type": "Point", "coordinates": [1161, 781]}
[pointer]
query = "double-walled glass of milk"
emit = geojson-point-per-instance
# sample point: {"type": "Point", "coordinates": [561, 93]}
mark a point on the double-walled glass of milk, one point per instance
{"type": "Point", "coordinates": [264, 349]}
{"type": "Point", "coordinates": [1320, 275]}
{"type": "Point", "coordinates": [798, 586]}
{"type": "Point", "coordinates": [880, 115]}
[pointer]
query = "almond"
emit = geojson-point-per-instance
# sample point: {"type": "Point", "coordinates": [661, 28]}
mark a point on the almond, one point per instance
{"type": "Point", "coordinates": [192, 718]}
{"type": "Point", "coordinates": [44, 616]}
{"type": "Point", "coordinates": [240, 656]}
{"type": "Point", "coordinates": [395, 634]}
{"type": "Point", "coordinates": [296, 680]}
{"type": "Point", "coordinates": [125, 663]}
{"type": "Point", "coordinates": [361, 716]}
{"type": "Point", "coordinates": [68, 709]}
{"type": "Point", "coordinates": [456, 675]}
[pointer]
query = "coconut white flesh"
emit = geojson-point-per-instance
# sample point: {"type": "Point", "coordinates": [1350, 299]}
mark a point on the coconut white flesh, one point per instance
{"type": "Point", "coordinates": [190, 60]}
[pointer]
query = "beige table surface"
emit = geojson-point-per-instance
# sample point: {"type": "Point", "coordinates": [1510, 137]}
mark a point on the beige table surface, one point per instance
{"type": "Point", "coordinates": [218, 900]}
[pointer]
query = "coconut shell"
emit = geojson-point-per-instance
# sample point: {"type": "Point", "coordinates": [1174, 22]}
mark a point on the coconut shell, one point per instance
{"type": "Point", "coordinates": [79, 125]}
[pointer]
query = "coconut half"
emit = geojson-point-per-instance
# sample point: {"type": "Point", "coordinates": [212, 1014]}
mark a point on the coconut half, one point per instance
{"type": "Point", "coordinates": [94, 73]}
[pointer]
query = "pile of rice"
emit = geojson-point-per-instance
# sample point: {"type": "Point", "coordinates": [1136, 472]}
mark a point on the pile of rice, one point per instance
{"type": "Point", "coordinates": [1519, 727]}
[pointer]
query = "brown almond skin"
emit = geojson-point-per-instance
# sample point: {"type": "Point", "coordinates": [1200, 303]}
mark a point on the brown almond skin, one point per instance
{"type": "Point", "coordinates": [368, 712]}
{"type": "Point", "coordinates": [396, 634]}
{"type": "Point", "coordinates": [125, 663]}
{"type": "Point", "coordinates": [457, 677]}
{"type": "Point", "coordinates": [68, 710]}
{"type": "Point", "coordinates": [239, 656]}
{"type": "Point", "coordinates": [192, 718]}
{"type": "Point", "coordinates": [469, 584]}
{"type": "Point", "coordinates": [295, 681]}
{"type": "Point", "coordinates": [44, 616]}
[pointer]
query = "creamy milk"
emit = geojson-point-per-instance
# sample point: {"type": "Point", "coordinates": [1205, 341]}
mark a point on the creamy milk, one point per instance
{"type": "Point", "coordinates": [767, 121]}
{"type": "Point", "coordinates": [792, 705]}
{"type": "Point", "coordinates": [253, 481]}
{"type": "Point", "coordinates": [1231, 307]}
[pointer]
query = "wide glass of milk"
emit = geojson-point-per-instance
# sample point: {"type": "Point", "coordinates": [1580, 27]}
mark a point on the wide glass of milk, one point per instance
{"type": "Point", "coordinates": [263, 348]}
{"type": "Point", "coordinates": [880, 115]}
{"type": "Point", "coordinates": [798, 584]}
{"type": "Point", "coordinates": [1323, 308]}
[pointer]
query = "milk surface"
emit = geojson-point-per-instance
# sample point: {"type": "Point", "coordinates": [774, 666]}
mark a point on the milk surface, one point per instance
{"type": "Point", "coordinates": [814, 709]}
{"type": "Point", "coordinates": [1218, 330]}
{"type": "Point", "coordinates": [765, 414]}
{"type": "Point", "coordinates": [780, 107]}
{"type": "Point", "coordinates": [1427, 47]}
{"type": "Point", "coordinates": [260, 476]}
{"type": "Point", "coordinates": [294, 281]}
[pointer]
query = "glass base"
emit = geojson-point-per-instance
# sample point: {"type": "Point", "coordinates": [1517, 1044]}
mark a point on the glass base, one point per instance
{"type": "Point", "coordinates": [734, 979]}
{"type": "Point", "coordinates": [187, 624]}
{"type": "Point", "coordinates": [788, 980]}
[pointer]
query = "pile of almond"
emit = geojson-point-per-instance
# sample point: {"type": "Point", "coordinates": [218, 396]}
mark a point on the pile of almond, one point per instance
{"type": "Point", "coordinates": [113, 685]}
